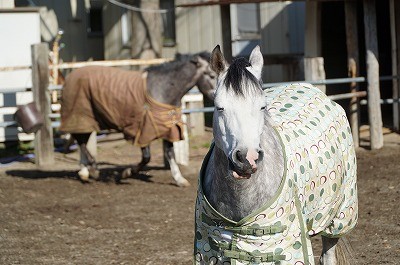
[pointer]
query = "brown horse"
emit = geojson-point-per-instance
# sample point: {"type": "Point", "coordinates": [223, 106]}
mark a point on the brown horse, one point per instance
{"type": "Point", "coordinates": [144, 106]}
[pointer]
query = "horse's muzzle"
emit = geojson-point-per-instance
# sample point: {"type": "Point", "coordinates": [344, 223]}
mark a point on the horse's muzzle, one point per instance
{"type": "Point", "coordinates": [244, 162]}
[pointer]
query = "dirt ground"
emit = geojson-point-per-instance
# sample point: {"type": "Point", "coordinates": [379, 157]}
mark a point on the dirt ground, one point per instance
{"type": "Point", "coordinates": [48, 216]}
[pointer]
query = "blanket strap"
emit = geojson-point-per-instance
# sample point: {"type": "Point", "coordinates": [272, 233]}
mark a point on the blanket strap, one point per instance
{"type": "Point", "coordinates": [230, 250]}
{"type": "Point", "coordinates": [171, 114]}
{"type": "Point", "coordinates": [253, 230]}
{"type": "Point", "coordinates": [254, 257]}
{"type": "Point", "coordinates": [256, 230]}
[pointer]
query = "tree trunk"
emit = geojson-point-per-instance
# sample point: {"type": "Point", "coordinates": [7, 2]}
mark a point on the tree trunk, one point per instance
{"type": "Point", "coordinates": [146, 30]}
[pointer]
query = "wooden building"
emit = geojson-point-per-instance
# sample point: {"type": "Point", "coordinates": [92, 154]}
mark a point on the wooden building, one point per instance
{"type": "Point", "coordinates": [302, 39]}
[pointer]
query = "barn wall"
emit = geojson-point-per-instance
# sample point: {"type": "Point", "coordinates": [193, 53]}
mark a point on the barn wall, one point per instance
{"type": "Point", "coordinates": [282, 32]}
{"type": "Point", "coordinates": [113, 46]}
{"type": "Point", "coordinates": [197, 29]}
{"type": "Point", "coordinates": [73, 18]}
{"type": "Point", "coordinates": [15, 50]}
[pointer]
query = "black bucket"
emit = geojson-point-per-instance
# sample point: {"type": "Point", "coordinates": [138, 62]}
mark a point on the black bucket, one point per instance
{"type": "Point", "coordinates": [29, 118]}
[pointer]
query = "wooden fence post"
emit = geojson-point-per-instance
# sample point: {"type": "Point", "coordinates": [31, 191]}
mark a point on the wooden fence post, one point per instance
{"type": "Point", "coordinates": [374, 95]}
{"type": "Point", "coordinates": [44, 146]}
{"type": "Point", "coordinates": [314, 70]}
{"type": "Point", "coordinates": [397, 21]}
{"type": "Point", "coordinates": [225, 12]}
{"type": "Point", "coordinates": [395, 37]}
{"type": "Point", "coordinates": [350, 9]}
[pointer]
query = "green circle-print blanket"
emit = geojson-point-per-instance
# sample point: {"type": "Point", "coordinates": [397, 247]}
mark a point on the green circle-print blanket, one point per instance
{"type": "Point", "coordinates": [318, 193]}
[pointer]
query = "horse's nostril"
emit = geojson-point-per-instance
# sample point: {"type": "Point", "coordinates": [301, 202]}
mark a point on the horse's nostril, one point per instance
{"type": "Point", "coordinates": [260, 155]}
{"type": "Point", "coordinates": [239, 156]}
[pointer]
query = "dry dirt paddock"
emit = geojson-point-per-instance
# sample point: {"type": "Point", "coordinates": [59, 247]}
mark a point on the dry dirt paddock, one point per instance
{"type": "Point", "coordinates": [49, 217]}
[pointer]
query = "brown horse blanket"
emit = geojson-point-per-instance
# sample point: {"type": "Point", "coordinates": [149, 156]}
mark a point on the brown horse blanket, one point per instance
{"type": "Point", "coordinates": [95, 98]}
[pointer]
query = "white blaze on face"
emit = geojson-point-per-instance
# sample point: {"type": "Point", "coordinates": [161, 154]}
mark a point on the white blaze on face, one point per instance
{"type": "Point", "coordinates": [239, 119]}
{"type": "Point", "coordinates": [238, 122]}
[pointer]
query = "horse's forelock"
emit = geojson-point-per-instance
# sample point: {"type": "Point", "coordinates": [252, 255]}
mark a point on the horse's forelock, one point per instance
{"type": "Point", "coordinates": [179, 61]}
{"type": "Point", "coordinates": [239, 78]}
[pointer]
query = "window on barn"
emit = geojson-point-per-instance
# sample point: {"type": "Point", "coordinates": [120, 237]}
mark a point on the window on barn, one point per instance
{"type": "Point", "coordinates": [168, 19]}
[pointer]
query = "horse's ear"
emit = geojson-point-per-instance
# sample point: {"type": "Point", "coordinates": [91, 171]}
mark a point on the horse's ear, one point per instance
{"type": "Point", "coordinates": [256, 61]}
{"type": "Point", "coordinates": [218, 63]}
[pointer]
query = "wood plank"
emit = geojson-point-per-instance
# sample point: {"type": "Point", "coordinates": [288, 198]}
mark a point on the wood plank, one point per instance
{"type": "Point", "coordinates": [397, 20]}
{"type": "Point", "coordinates": [350, 9]}
{"type": "Point", "coordinates": [374, 96]}
{"type": "Point", "coordinates": [314, 70]}
{"type": "Point", "coordinates": [225, 12]}
{"type": "Point", "coordinates": [227, 2]}
{"type": "Point", "coordinates": [44, 146]}
{"type": "Point", "coordinates": [312, 39]}
{"type": "Point", "coordinates": [270, 59]}
{"type": "Point", "coordinates": [124, 62]}
{"type": "Point", "coordinates": [395, 37]}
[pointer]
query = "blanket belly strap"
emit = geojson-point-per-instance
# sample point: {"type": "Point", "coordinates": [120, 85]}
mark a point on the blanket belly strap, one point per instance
{"type": "Point", "coordinates": [256, 230]}
{"type": "Point", "coordinates": [231, 251]}
{"type": "Point", "coordinates": [253, 230]}
{"type": "Point", "coordinates": [254, 257]}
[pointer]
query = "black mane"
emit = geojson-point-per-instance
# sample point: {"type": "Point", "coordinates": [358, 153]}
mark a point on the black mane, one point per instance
{"type": "Point", "coordinates": [166, 67]}
{"type": "Point", "coordinates": [179, 61]}
{"type": "Point", "coordinates": [237, 73]}
{"type": "Point", "coordinates": [185, 57]}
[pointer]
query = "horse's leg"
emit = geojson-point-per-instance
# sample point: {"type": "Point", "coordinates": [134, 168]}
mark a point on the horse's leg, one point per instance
{"type": "Point", "coordinates": [69, 140]}
{"type": "Point", "coordinates": [87, 161]}
{"type": "Point", "coordinates": [328, 256]}
{"type": "Point", "coordinates": [169, 154]}
{"type": "Point", "coordinates": [146, 156]}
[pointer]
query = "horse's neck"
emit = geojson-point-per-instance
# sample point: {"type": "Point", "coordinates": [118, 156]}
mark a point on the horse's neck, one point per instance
{"type": "Point", "coordinates": [170, 87]}
{"type": "Point", "coordinates": [235, 199]}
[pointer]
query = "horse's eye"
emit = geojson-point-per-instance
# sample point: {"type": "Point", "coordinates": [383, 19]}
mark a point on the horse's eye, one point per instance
{"type": "Point", "coordinates": [262, 108]}
{"type": "Point", "coordinates": [220, 109]}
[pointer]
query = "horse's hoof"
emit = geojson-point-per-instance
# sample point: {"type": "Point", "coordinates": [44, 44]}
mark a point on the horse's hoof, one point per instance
{"type": "Point", "coordinates": [127, 173]}
{"type": "Point", "coordinates": [136, 169]}
{"type": "Point", "coordinates": [84, 174]}
{"type": "Point", "coordinates": [94, 173]}
{"type": "Point", "coordinates": [183, 183]}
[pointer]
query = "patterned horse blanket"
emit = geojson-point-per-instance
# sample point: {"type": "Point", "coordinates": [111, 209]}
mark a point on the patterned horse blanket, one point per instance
{"type": "Point", "coordinates": [318, 193]}
{"type": "Point", "coordinates": [95, 98]}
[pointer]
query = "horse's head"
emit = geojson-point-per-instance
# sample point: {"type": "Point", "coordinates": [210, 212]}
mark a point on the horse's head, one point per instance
{"type": "Point", "coordinates": [239, 112]}
{"type": "Point", "coordinates": [205, 77]}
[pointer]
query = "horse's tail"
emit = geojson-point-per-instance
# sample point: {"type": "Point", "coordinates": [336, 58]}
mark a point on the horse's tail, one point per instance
{"type": "Point", "coordinates": [344, 252]}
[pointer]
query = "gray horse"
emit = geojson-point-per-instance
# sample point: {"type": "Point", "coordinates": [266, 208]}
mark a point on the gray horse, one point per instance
{"type": "Point", "coordinates": [144, 106]}
{"type": "Point", "coordinates": [281, 168]}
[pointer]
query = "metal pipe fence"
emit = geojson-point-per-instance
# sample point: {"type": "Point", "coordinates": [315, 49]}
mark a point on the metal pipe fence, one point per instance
{"type": "Point", "coordinates": [56, 124]}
